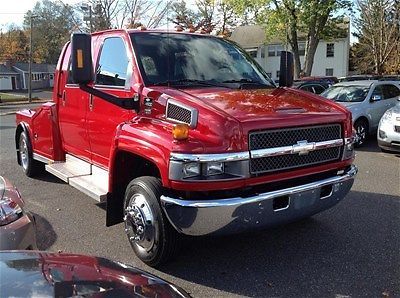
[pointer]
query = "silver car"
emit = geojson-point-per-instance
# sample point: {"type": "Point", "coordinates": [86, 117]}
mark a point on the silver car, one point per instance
{"type": "Point", "coordinates": [17, 227]}
{"type": "Point", "coordinates": [389, 130]}
{"type": "Point", "coordinates": [367, 101]}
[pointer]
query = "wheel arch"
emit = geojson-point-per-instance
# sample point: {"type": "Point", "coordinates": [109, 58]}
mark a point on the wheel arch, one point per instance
{"type": "Point", "coordinates": [22, 127]}
{"type": "Point", "coordinates": [363, 118]}
{"type": "Point", "coordinates": [124, 167]}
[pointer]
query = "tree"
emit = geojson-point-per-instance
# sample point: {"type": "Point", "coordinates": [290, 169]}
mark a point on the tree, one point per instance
{"type": "Point", "coordinates": [291, 19]}
{"type": "Point", "coordinates": [14, 44]}
{"type": "Point", "coordinates": [183, 16]}
{"type": "Point", "coordinates": [53, 23]}
{"type": "Point", "coordinates": [378, 33]}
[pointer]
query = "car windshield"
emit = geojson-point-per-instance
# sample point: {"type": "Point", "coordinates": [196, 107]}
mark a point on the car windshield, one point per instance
{"type": "Point", "coordinates": [174, 58]}
{"type": "Point", "coordinates": [346, 93]}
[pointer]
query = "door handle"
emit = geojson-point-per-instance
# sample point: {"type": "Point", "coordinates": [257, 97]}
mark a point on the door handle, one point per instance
{"type": "Point", "coordinates": [90, 102]}
{"type": "Point", "coordinates": [63, 98]}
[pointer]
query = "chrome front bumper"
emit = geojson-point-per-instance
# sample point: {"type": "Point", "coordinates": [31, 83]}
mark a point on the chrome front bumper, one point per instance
{"type": "Point", "coordinates": [234, 215]}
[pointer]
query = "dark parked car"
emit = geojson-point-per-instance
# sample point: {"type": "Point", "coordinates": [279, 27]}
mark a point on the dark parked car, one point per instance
{"type": "Point", "coordinates": [311, 86]}
{"type": "Point", "coordinates": [44, 274]}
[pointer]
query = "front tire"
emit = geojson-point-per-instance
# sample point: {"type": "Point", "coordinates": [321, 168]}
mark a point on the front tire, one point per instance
{"type": "Point", "coordinates": [149, 232]}
{"type": "Point", "coordinates": [361, 128]}
{"type": "Point", "coordinates": [30, 166]}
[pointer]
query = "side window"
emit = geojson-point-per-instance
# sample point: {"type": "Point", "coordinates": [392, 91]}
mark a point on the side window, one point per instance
{"type": "Point", "coordinates": [377, 91]}
{"type": "Point", "coordinates": [390, 91]}
{"type": "Point", "coordinates": [112, 68]}
{"type": "Point", "coordinates": [69, 79]}
{"type": "Point", "coordinates": [318, 89]}
{"type": "Point", "coordinates": [308, 88]}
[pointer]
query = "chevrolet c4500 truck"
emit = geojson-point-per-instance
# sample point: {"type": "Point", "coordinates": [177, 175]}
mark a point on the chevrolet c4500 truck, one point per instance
{"type": "Point", "coordinates": [183, 133]}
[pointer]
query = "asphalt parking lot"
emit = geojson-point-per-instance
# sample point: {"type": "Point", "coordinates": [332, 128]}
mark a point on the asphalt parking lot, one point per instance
{"type": "Point", "coordinates": [349, 250]}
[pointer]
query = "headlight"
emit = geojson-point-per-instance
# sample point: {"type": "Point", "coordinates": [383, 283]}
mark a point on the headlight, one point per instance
{"type": "Point", "coordinates": [192, 169]}
{"type": "Point", "coordinates": [387, 117]}
{"type": "Point", "coordinates": [197, 167]}
{"type": "Point", "coordinates": [348, 150]}
{"type": "Point", "coordinates": [9, 211]}
{"type": "Point", "coordinates": [214, 168]}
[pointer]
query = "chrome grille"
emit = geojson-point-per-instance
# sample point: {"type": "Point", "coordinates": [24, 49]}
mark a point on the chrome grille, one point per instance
{"type": "Point", "coordinates": [178, 113]}
{"type": "Point", "coordinates": [279, 138]}
{"type": "Point", "coordinates": [291, 161]}
{"type": "Point", "coordinates": [290, 136]}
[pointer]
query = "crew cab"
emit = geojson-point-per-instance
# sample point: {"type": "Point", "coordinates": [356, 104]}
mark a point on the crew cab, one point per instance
{"type": "Point", "coordinates": [183, 133]}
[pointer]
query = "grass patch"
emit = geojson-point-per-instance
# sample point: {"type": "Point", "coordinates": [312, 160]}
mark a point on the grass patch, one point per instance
{"type": "Point", "coordinates": [9, 97]}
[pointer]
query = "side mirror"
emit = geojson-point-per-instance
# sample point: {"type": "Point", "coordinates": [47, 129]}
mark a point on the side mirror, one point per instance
{"type": "Point", "coordinates": [376, 98]}
{"type": "Point", "coordinates": [81, 52]}
{"type": "Point", "coordinates": [286, 69]}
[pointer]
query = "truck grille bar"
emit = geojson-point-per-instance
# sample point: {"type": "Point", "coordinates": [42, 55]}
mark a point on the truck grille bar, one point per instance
{"type": "Point", "coordinates": [284, 149]}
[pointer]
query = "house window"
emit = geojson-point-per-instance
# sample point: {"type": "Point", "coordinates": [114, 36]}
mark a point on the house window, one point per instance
{"type": "Point", "coordinates": [279, 49]}
{"type": "Point", "coordinates": [329, 72]}
{"type": "Point", "coordinates": [271, 51]}
{"type": "Point", "coordinates": [278, 73]}
{"type": "Point", "coordinates": [302, 48]}
{"type": "Point", "coordinates": [330, 50]}
{"type": "Point", "coordinates": [252, 53]}
{"type": "Point", "coordinates": [263, 52]}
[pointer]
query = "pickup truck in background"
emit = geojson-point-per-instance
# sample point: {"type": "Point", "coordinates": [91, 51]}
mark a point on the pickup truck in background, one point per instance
{"type": "Point", "coordinates": [184, 134]}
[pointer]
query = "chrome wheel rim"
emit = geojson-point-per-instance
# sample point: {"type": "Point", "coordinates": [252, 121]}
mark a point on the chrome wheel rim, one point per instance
{"type": "Point", "coordinates": [139, 223]}
{"type": "Point", "coordinates": [23, 153]}
{"type": "Point", "coordinates": [361, 134]}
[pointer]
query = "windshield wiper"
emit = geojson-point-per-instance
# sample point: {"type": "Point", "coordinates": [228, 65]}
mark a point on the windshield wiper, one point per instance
{"type": "Point", "coordinates": [188, 81]}
{"type": "Point", "coordinates": [243, 82]}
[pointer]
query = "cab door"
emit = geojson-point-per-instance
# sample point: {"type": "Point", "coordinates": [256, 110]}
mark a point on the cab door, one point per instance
{"type": "Point", "coordinates": [114, 76]}
{"type": "Point", "coordinates": [72, 110]}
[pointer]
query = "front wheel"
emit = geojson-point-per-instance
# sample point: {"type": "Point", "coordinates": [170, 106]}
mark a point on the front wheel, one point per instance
{"type": "Point", "coordinates": [361, 128]}
{"type": "Point", "coordinates": [30, 166]}
{"type": "Point", "coordinates": [151, 236]}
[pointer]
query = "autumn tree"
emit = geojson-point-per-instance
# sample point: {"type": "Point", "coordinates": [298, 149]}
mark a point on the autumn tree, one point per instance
{"type": "Point", "coordinates": [14, 44]}
{"type": "Point", "coordinates": [215, 16]}
{"type": "Point", "coordinates": [53, 23]}
{"type": "Point", "coordinates": [312, 20]}
{"type": "Point", "coordinates": [378, 33]}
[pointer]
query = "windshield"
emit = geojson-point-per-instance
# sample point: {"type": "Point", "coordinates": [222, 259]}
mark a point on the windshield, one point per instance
{"type": "Point", "coordinates": [346, 93]}
{"type": "Point", "coordinates": [168, 58]}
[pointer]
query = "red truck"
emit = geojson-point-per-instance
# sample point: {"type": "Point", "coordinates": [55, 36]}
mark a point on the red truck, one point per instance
{"type": "Point", "coordinates": [184, 134]}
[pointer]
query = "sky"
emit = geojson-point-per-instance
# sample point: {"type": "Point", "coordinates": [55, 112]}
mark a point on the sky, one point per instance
{"type": "Point", "coordinates": [12, 11]}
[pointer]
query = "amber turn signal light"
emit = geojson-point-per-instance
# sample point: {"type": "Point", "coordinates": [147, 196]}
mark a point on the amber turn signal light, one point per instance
{"type": "Point", "coordinates": [180, 131]}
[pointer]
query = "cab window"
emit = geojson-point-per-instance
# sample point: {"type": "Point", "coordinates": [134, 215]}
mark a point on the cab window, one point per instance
{"type": "Point", "coordinates": [112, 68]}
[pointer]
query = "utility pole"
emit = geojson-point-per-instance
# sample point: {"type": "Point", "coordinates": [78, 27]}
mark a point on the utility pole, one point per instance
{"type": "Point", "coordinates": [30, 58]}
{"type": "Point", "coordinates": [88, 8]}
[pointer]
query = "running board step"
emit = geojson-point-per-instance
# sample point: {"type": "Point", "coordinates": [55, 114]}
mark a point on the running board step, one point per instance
{"type": "Point", "coordinates": [72, 167]}
{"type": "Point", "coordinates": [94, 185]}
{"type": "Point", "coordinates": [89, 179]}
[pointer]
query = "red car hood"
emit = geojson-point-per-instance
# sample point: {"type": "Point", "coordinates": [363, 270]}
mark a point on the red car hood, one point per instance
{"type": "Point", "coordinates": [246, 105]}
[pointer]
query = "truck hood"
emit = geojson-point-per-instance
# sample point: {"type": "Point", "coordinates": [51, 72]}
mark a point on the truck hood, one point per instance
{"type": "Point", "coordinates": [250, 105]}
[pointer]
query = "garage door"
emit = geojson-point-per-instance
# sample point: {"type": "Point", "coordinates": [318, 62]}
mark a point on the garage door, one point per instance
{"type": "Point", "coordinates": [5, 83]}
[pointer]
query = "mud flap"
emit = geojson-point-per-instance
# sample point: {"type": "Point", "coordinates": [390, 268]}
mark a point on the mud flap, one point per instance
{"type": "Point", "coordinates": [114, 210]}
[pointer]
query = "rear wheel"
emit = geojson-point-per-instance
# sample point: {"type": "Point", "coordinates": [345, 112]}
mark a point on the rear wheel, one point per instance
{"type": "Point", "coordinates": [30, 166]}
{"type": "Point", "coordinates": [149, 232]}
{"type": "Point", "coordinates": [361, 128]}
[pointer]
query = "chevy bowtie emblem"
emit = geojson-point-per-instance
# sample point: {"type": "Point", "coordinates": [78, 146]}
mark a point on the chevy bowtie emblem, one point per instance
{"type": "Point", "coordinates": [303, 147]}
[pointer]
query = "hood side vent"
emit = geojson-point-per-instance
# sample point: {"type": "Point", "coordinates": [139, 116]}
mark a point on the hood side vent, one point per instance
{"type": "Point", "coordinates": [178, 112]}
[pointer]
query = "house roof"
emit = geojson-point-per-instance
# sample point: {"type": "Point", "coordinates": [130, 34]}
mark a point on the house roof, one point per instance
{"type": "Point", "coordinates": [253, 36]}
{"type": "Point", "coordinates": [250, 36]}
{"type": "Point", "coordinates": [36, 67]}
{"type": "Point", "coordinates": [5, 70]}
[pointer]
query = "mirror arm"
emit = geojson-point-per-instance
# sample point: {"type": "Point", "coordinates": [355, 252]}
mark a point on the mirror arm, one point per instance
{"type": "Point", "coordinates": [125, 103]}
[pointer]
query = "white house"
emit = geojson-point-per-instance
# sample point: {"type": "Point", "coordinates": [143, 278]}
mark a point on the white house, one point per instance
{"type": "Point", "coordinates": [331, 57]}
